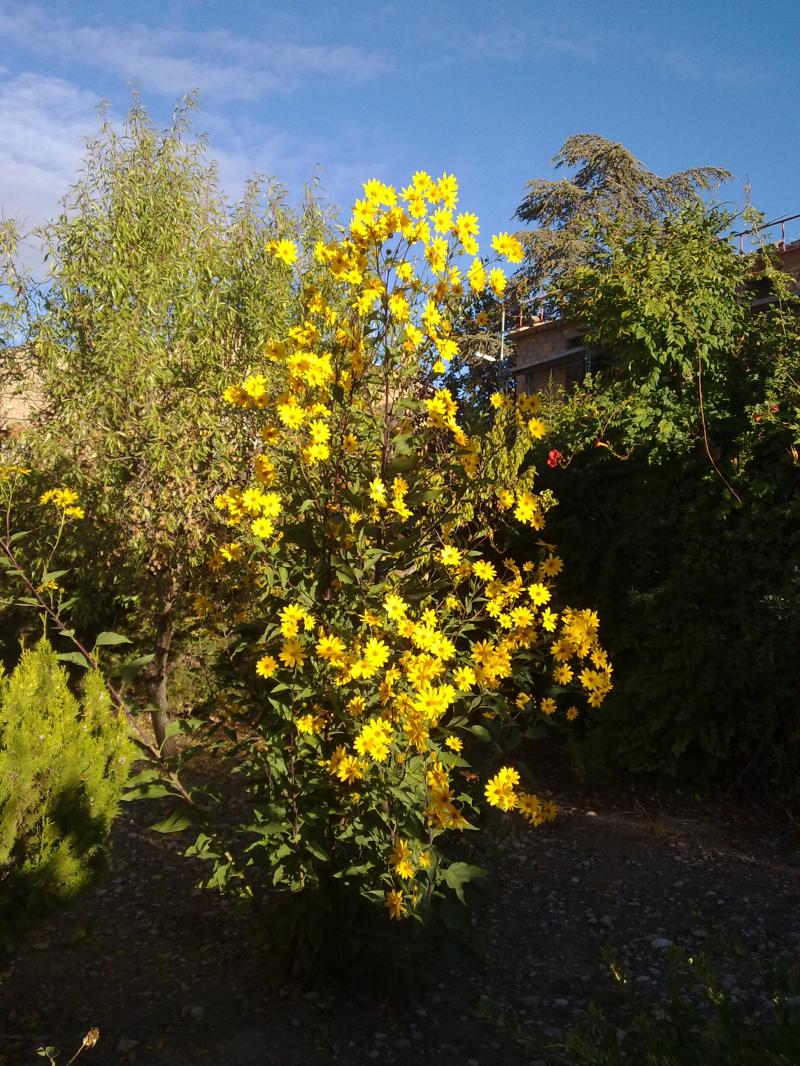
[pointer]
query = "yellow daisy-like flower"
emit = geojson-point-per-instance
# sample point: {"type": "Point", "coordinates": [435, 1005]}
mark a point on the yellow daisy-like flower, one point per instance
{"type": "Point", "coordinates": [499, 790]}
{"type": "Point", "coordinates": [455, 744]}
{"type": "Point", "coordinates": [284, 250]}
{"type": "Point", "coordinates": [563, 674]}
{"type": "Point", "coordinates": [509, 246]}
{"type": "Point", "coordinates": [450, 556]}
{"type": "Point", "coordinates": [539, 594]}
{"type": "Point", "coordinates": [536, 428]}
{"type": "Point", "coordinates": [266, 666]}
{"type": "Point", "coordinates": [549, 705]}
{"type": "Point", "coordinates": [395, 905]}
{"type": "Point", "coordinates": [483, 570]}
{"type": "Point", "coordinates": [292, 653]}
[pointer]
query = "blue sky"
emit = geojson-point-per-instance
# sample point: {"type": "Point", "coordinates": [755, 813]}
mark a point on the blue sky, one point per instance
{"type": "Point", "coordinates": [352, 90]}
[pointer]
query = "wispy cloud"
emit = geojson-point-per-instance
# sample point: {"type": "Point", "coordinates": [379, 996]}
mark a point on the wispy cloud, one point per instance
{"type": "Point", "coordinates": [173, 61]}
{"type": "Point", "coordinates": [687, 64]}
{"type": "Point", "coordinates": [43, 125]}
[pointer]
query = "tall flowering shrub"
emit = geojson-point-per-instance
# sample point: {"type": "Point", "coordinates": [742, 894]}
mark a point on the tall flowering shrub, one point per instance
{"type": "Point", "coordinates": [400, 650]}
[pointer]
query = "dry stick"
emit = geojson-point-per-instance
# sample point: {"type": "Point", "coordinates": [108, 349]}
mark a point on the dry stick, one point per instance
{"type": "Point", "coordinates": [721, 476]}
{"type": "Point", "coordinates": [116, 696]}
{"type": "Point", "coordinates": [89, 1040]}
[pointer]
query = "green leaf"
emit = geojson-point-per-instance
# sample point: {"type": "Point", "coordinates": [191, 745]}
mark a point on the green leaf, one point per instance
{"type": "Point", "coordinates": [76, 657]}
{"type": "Point", "coordinates": [175, 823]}
{"type": "Point", "coordinates": [481, 732]}
{"type": "Point", "coordinates": [52, 575]}
{"type": "Point", "coordinates": [459, 874]}
{"type": "Point", "coordinates": [111, 638]}
{"type": "Point", "coordinates": [134, 667]}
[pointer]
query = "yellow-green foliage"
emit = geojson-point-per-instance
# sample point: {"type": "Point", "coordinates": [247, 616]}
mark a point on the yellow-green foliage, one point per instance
{"type": "Point", "coordinates": [63, 764]}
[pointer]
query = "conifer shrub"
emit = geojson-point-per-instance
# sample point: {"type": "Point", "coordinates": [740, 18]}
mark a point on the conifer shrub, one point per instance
{"type": "Point", "coordinates": [63, 763]}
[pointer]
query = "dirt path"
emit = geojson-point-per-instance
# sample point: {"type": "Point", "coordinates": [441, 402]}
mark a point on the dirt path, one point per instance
{"type": "Point", "coordinates": [172, 977]}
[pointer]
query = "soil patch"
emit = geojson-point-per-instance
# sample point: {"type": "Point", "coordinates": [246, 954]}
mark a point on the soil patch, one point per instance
{"type": "Point", "coordinates": [171, 975]}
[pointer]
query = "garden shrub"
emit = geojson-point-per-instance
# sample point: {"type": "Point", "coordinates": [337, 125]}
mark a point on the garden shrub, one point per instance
{"type": "Point", "coordinates": [63, 763]}
{"type": "Point", "coordinates": [394, 652]}
{"type": "Point", "coordinates": [677, 471]}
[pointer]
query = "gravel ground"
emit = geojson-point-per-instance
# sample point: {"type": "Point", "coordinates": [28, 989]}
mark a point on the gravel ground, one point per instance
{"type": "Point", "coordinates": [171, 976]}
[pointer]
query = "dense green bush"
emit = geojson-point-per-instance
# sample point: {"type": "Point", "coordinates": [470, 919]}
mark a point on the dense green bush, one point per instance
{"type": "Point", "coordinates": [677, 474]}
{"type": "Point", "coordinates": [63, 764]}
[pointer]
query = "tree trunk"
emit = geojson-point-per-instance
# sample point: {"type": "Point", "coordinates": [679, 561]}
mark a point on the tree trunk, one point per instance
{"type": "Point", "coordinates": [156, 679]}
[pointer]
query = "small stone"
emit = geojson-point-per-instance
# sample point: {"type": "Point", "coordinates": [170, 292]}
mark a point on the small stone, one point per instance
{"type": "Point", "coordinates": [196, 1013]}
{"type": "Point", "coordinates": [560, 1002]}
{"type": "Point", "coordinates": [607, 921]}
{"type": "Point", "coordinates": [125, 1046]}
{"type": "Point", "coordinates": [661, 942]}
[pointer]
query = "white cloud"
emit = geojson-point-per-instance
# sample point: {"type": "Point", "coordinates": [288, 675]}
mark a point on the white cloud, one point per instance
{"type": "Point", "coordinates": [687, 64]}
{"type": "Point", "coordinates": [43, 125]}
{"type": "Point", "coordinates": [171, 62]}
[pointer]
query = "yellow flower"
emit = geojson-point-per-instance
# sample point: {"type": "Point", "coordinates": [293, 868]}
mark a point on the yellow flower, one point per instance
{"type": "Point", "coordinates": [552, 566]}
{"type": "Point", "coordinates": [510, 247]}
{"type": "Point", "coordinates": [477, 276]}
{"type": "Point", "coordinates": [572, 713]}
{"type": "Point", "coordinates": [377, 492]}
{"type": "Point", "coordinates": [395, 905]}
{"type": "Point", "coordinates": [401, 861]}
{"type": "Point", "coordinates": [450, 556]}
{"type": "Point", "coordinates": [522, 700]}
{"type": "Point", "coordinates": [292, 653]}
{"type": "Point", "coordinates": [539, 593]}
{"type": "Point", "coordinates": [395, 606]}
{"type": "Point", "coordinates": [548, 705]}
{"type": "Point", "coordinates": [483, 570]}
{"type": "Point", "coordinates": [284, 250]}
{"type": "Point", "coordinates": [374, 740]}
{"type": "Point", "coordinates": [464, 678]}
{"type": "Point", "coordinates": [350, 769]}
{"type": "Point", "coordinates": [63, 498]}
{"type": "Point", "coordinates": [530, 807]}
{"type": "Point", "coordinates": [398, 305]}
{"type": "Point", "coordinates": [536, 428]}
{"type": "Point", "coordinates": [446, 191]}
{"type": "Point", "coordinates": [263, 527]}
{"type": "Point", "coordinates": [310, 724]}
{"type": "Point", "coordinates": [291, 616]}
{"type": "Point", "coordinates": [455, 744]}
{"type": "Point", "coordinates": [499, 790]}
{"type": "Point", "coordinates": [497, 281]}
{"type": "Point", "coordinates": [331, 648]}
{"type": "Point", "coordinates": [266, 666]}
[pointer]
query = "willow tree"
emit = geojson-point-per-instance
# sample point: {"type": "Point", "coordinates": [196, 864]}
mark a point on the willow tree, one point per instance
{"type": "Point", "coordinates": [158, 294]}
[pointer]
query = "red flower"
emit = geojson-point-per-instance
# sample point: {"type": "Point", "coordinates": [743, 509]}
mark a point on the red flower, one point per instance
{"type": "Point", "coordinates": [554, 458]}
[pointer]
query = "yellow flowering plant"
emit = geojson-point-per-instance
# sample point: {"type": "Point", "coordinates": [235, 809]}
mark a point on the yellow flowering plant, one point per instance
{"type": "Point", "coordinates": [394, 650]}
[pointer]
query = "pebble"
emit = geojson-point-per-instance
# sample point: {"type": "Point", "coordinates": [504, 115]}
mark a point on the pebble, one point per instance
{"type": "Point", "coordinates": [662, 942]}
{"type": "Point", "coordinates": [125, 1045]}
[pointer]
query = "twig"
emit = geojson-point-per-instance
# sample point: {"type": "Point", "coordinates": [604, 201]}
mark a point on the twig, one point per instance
{"type": "Point", "coordinates": [721, 476]}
